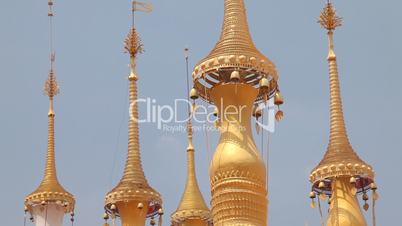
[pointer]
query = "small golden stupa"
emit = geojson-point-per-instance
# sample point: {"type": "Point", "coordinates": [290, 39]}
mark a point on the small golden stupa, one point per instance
{"type": "Point", "coordinates": [133, 199]}
{"type": "Point", "coordinates": [236, 76]}
{"type": "Point", "coordinates": [50, 201]}
{"type": "Point", "coordinates": [192, 209]}
{"type": "Point", "coordinates": [341, 174]}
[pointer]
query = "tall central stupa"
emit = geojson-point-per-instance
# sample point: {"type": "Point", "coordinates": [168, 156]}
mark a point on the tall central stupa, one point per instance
{"type": "Point", "coordinates": [235, 77]}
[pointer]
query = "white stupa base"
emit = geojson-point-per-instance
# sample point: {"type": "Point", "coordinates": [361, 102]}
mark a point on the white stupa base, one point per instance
{"type": "Point", "coordinates": [48, 215]}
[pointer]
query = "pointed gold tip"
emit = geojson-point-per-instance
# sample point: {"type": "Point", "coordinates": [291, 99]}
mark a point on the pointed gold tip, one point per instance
{"type": "Point", "coordinates": [51, 88]}
{"type": "Point", "coordinates": [328, 18]}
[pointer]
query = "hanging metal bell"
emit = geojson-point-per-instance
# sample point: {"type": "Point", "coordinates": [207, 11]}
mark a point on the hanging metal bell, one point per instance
{"type": "Point", "coordinates": [193, 94]}
{"type": "Point", "coordinates": [373, 186]}
{"type": "Point", "coordinates": [321, 185]}
{"type": "Point", "coordinates": [235, 76]}
{"type": "Point", "coordinates": [278, 99]}
{"type": "Point", "coordinates": [140, 205]}
{"type": "Point", "coordinates": [264, 83]}
{"type": "Point", "coordinates": [216, 111]}
{"type": "Point", "coordinates": [279, 115]}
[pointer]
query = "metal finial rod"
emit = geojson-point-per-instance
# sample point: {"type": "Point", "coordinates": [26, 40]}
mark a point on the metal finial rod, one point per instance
{"type": "Point", "coordinates": [186, 56]}
{"type": "Point", "coordinates": [132, 14]}
{"type": "Point", "coordinates": [51, 38]}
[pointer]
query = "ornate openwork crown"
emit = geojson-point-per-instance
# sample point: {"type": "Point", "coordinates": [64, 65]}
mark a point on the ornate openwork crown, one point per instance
{"type": "Point", "coordinates": [51, 88]}
{"type": "Point", "coordinates": [133, 44]}
{"type": "Point", "coordinates": [328, 18]}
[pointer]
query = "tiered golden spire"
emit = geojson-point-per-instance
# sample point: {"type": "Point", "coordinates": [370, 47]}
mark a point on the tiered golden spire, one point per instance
{"type": "Point", "coordinates": [50, 190]}
{"type": "Point", "coordinates": [340, 158]}
{"type": "Point", "coordinates": [133, 199]}
{"type": "Point", "coordinates": [235, 49]}
{"type": "Point", "coordinates": [192, 209]}
{"type": "Point", "coordinates": [341, 174]}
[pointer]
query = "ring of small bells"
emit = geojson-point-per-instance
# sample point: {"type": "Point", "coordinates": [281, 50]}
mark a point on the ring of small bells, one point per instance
{"type": "Point", "coordinates": [323, 191]}
{"type": "Point", "coordinates": [44, 203]}
{"type": "Point", "coordinates": [140, 206]}
{"type": "Point", "coordinates": [263, 85]}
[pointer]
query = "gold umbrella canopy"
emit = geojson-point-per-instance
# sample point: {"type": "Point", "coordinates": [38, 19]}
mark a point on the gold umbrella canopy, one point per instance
{"type": "Point", "coordinates": [235, 58]}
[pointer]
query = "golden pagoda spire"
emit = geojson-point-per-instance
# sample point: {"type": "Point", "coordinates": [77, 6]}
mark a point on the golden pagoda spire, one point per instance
{"type": "Point", "coordinates": [50, 190]}
{"type": "Point", "coordinates": [192, 209]}
{"type": "Point", "coordinates": [341, 173]}
{"type": "Point", "coordinates": [234, 77]}
{"type": "Point", "coordinates": [133, 199]}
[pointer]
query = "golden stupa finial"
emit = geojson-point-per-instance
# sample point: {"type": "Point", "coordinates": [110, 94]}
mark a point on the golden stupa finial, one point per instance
{"type": "Point", "coordinates": [133, 43]}
{"type": "Point", "coordinates": [51, 87]}
{"type": "Point", "coordinates": [340, 160]}
{"type": "Point", "coordinates": [133, 188]}
{"type": "Point", "coordinates": [50, 190]}
{"type": "Point", "coordinates": [328, 18]}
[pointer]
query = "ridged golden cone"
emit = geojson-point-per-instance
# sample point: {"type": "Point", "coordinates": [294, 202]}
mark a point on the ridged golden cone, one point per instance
{"type": "Point", "coordinates": [50, 190]}
{"type": "Point", "coordinates": [192, 205]}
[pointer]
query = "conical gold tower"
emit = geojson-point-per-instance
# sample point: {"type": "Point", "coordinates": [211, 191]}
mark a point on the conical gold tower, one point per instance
{"type": "Point", "coordinates": [133, 199]}
{"type": "Point", "coordinates": [192, 209]}
{"type": "Point", "coordinates": [234, 77]}
{"type": "Point", "coordinates": [50, 201]}
{"type": "Point", "coordinates": [50, 190]}
{"type": "Point", "coordinates": [341, 174]}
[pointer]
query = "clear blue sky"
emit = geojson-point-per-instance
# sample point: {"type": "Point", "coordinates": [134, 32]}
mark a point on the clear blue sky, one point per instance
{"type": "Point", "coordinates": [91, 111]}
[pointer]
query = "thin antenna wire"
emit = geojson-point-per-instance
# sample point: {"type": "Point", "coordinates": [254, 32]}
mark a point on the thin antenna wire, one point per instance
{"type": "Point", "coordinates": [262, 133]}
{"type": "Point", "coordinates": [25, 218]}
{"type": "Point", "coordinates": [51, 34]}
{"type": "Point", "coordinates": [319, 208]}
{"type": "Point", "coordinates": [267, 157]}
{"type": "Point", "coordinates": [46, 215]}
{"type": "Point", "coordinates": [186, 55]}
{"type": "Point", "coordinates": [133, 14]}
{"type": "Point", "coordinates": [209, 154]}
{"type": "Point", "coordinates": [124, 115]}
{"type": "Point", "coordinates": [373, 212]}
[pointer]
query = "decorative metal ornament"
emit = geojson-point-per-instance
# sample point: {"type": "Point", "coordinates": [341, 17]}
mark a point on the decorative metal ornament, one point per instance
{"type": "Point", "coordinates": [279, 115]}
